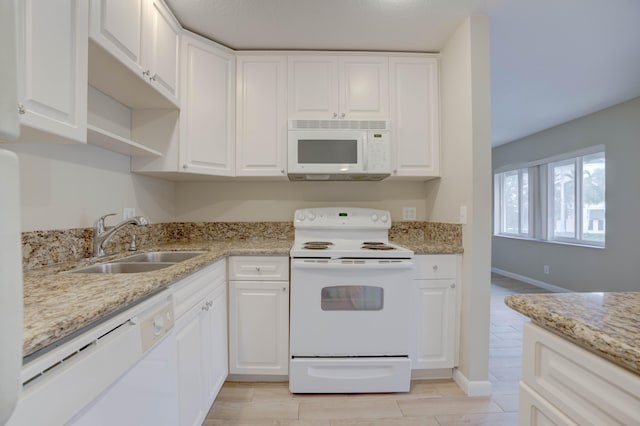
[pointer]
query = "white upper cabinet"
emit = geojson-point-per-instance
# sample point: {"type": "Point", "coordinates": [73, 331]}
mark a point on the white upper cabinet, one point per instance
{"type": "Point", "coordinates": [364, 87]}
{"type": "Point", "coordinates": [414, 116]}
{"type": "Point", "coordinates": [144, 36]}
{"type": "Point", "coordinates": [116, 25]}
{"type": "Point", "coordinates": [261, 115]}
{"type": "Point", "coordinates": [160, 53]}
{"type": "Point", "coordinates": [207, 131]}
{"type": "Point", "coordinates": [349, 87]}
{"type": "Point", "coordinates": [52, 70]}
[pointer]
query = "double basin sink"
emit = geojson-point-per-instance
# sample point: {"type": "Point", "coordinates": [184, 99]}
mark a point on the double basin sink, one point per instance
{"type": "Point", "coordinates": [143, 262]}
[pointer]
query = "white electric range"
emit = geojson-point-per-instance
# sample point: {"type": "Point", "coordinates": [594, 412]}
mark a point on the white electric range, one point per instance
{"type": "Point", "coordinates": [350, 303]}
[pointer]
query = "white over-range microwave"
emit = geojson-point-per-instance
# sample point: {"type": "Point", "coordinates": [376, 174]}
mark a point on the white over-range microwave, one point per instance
{"type": "Point", "coordinates": [339, 150]}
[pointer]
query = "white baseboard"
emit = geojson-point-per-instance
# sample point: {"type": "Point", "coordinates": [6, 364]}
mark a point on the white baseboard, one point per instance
{"type": "Point", "coordinates": [472, 388]}
{"type": "Point", "coordinates": [537, 283]}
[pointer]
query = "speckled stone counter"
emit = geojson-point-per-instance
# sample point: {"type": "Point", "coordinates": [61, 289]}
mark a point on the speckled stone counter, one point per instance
{"type": "Point", "coordinates": [58, 304]}
{"type": "Point", "coordinates": [607, 324]}
{"type": "Point", "coordinates": [429, 247]}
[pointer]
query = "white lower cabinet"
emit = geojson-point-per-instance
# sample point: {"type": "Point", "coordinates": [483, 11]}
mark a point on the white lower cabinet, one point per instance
{"type": "Point", "coordinates": [436, 312]}
{"type": "Point", "coordinates": [259, 315]}
{"type": "Point", "coordinates": [564, 384]}
{"type": "Point", "coordinates": [201, 341]}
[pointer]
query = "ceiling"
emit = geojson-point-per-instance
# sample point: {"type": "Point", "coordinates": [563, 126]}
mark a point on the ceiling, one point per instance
{"type": "Point", "coordinates": [551, 61]}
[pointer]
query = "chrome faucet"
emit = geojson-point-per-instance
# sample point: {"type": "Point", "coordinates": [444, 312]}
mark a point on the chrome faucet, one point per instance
{"type": "Point", "coordinates": [101, 237]}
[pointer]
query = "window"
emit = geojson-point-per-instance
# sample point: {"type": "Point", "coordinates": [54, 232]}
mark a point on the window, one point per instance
{"type": "Point", "coordinates": [560, 199]}
{"type": "Point", "coordinates": [513, 202]}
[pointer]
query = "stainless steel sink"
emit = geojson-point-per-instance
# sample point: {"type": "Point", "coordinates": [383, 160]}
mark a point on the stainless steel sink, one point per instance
{"type": "Point", "coordinates": [121, 268]}
{"type": "Point", "coordinates": [160, 256]}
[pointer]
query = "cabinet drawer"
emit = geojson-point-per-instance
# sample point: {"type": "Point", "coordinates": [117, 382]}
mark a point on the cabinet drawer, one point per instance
{"type": "Point", "coordinates": [192, 289]}
{"type": "Point", "coordinates": [252, 268]}
{"type": "Point", "coordinates": [435, 266]}
{"type": "Point", "coordinates": [585, 387]}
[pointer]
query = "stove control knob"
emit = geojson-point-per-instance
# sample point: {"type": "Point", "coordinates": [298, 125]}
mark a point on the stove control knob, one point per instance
{"type": "Point", "coordinates": [374, 217]}
{"type": "Point", "coordinates": [311, 215]}
{"type": "Point", "coordinates": [300, 215]}
{"type": "Point", "coordinates": [384, 218]}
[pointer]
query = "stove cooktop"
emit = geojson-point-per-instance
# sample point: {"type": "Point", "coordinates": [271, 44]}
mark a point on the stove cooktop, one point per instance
{"type": "Point", "coordinates": [349, 248]}
{"type": "Point", "coordinates": [344, 232]}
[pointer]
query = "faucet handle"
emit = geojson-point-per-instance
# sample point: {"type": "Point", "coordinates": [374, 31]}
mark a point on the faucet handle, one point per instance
{"type": "Point", "coordinates": [99, 225]}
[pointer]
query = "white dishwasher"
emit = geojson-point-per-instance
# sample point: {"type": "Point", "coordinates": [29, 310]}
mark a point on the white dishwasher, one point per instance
{"type": "Point", "coordinates": [81, 377]}
{"type": "Point", "coordinates": [147, 393]}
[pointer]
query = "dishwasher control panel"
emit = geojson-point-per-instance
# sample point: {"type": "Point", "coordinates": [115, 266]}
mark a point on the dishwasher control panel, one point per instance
{"type": "Point", "coordinates": [155, 324]}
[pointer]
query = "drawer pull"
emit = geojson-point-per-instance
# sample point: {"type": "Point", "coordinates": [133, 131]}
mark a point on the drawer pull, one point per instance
{"type": "Point", "coordinates": [258, 268]}
{"type": "Point", "coordinates": [435, 268]}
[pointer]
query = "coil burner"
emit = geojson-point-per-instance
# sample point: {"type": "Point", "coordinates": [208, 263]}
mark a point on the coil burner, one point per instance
{"type": "Point", "coordinates": [376, 245]}
{"type": "Point", "coordinates": [317, 245]}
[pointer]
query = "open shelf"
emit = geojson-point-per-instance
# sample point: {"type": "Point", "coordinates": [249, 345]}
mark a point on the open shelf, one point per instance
{"type": "Point", "coordinates": [111, 141]}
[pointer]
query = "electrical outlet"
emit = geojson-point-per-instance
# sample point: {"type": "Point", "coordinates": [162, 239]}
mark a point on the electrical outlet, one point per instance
{"type": "Point", "coordinates": [408, 213]}
{"type": "Point", "coordinates": [128, 212]}
{"type": "Point", "coordinates": [546, 269]}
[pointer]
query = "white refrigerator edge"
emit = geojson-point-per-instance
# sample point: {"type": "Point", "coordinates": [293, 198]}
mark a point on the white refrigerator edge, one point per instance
{"type": "Point", "coordinates": [10, 239]}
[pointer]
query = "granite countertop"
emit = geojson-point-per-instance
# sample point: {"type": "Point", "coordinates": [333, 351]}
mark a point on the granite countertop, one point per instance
{"type": "Point", "coordinates": [607, 324]}
{"type": "Point", "coordinates": [428, 247]}
{"type": "Point", "coordinates": [57, 305]}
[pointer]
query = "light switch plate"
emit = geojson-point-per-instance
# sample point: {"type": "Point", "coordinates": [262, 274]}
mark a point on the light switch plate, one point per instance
{"type": "Point", "coordinates": [463, 215]}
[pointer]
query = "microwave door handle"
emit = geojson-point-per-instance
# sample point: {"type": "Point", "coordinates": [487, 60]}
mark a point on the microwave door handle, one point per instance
{"type": "Point", "coordinates": [365, 153]}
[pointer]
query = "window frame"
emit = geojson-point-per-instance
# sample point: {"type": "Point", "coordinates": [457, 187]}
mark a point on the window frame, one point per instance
{"type": "Point", "coordinates": [541, 199]}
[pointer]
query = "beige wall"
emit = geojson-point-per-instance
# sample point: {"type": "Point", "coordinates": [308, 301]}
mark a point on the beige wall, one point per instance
{"type": "Point", "coordinates": [466, 180]}
{"type": "Point", "coordinates": [277, 201]}
{"type": "Point", "coordinates": [69, 186]}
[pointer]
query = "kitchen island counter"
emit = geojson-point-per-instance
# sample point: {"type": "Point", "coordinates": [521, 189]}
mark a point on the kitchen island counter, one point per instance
{"type": "Point", "coordinates": [607, 324]}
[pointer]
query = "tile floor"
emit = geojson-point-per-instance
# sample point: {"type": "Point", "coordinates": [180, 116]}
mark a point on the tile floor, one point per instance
{"type": "Point", "coordinates": [430, 403]}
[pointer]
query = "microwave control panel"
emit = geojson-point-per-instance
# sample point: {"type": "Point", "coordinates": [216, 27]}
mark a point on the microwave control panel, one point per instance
{"type": "Point", "coordinates": [378, 152]}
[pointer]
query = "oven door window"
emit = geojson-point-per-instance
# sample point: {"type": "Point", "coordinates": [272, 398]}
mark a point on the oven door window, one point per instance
{"type": "Point", "coordinates": [352, 298]}
{"type": "Point", "coordinates": [327, 151]}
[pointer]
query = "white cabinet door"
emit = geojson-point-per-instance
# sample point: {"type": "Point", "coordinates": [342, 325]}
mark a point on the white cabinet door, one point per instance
{"type": "Point", "coordinates": [188, 332]}
{"type": "Point", "coordinates": [161, 46]}
{"type": "Point", "coordinates": [313, 87]}
{"type": "Point", "coordinates": [533, 410]}
{"type": "Point", "coordinates": [414, 116]}
{"type": "Point", "coordinates": [142, 35]}
{"type": "Point", "coordinates": [261, 116]}
{"type": "Point", "coordinates": [348, 87]}
{"type": "Point", "coordinates": [207, 131]}
{"type": "Point", "coordinates": [201, 340]}
{"type": "Point", "coordinates": [259, 327]}
{"type": "Point", "coordinates": [214, 342]}
{"type": "Point", "coordinates": [116, 25]}
{"type": "Point", "coordinates": [52, 69]}
{"type": "Point", "coordinates": [364, 87]}
{"type": "Point", "coordinates": [435, 324]}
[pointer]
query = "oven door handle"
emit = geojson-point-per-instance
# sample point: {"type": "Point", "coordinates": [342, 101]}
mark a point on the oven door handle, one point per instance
{"type": "Point", "coordinates": [338, 264]}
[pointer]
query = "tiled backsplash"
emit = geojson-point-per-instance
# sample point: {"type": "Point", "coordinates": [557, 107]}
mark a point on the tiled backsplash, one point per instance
{"type": "Point", "coordinates": [41, 248]}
